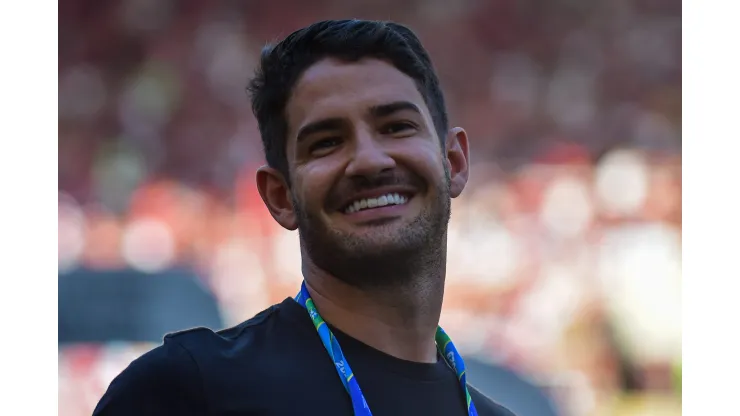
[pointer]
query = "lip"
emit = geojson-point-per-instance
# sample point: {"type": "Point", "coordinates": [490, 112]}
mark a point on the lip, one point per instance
{"type": "Point", "coordinates": [378, 213]}
{"type": "Point", "coordinates": [376, 193]}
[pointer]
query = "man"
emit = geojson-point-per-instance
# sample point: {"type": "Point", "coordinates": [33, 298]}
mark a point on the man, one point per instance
{"type": "Point", "coordinates": [361, 161]}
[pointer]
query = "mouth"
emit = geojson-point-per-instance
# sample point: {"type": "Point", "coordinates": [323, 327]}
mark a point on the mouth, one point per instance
{"type": "Point", "coordinates": [380, 202]}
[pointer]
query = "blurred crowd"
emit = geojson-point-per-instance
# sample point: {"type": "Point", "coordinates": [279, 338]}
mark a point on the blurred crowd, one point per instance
{"type": "Point", "coordinates": [564, 252]}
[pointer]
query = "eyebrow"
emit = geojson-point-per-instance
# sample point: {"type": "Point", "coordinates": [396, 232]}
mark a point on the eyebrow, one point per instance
{"type": "Point", "coordinates": [319, 126]}
{"type": "Point", "coordinates": [385, 110]}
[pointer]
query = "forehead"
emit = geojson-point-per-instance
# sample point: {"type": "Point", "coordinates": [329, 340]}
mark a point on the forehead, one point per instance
{"type": "Point", "coordinates": [333, 88]}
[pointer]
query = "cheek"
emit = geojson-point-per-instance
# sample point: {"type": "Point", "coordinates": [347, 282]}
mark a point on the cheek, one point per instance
{"type": "Point", "coordinates": [426, 160]}
{"type": "Point", "coordinates": [314, 184]}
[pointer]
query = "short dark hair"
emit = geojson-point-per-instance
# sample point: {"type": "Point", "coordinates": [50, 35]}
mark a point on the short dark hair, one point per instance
{"type": "Point", "coordinates": [281, 66]}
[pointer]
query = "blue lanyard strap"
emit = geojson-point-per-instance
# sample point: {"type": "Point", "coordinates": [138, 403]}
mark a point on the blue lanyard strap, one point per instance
{"type": "Point", "coordinates": [444, 345]}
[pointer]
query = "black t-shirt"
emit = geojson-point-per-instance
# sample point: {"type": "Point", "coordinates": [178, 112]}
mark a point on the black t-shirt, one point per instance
{"type": "Point", "coordinates": [275, 364]}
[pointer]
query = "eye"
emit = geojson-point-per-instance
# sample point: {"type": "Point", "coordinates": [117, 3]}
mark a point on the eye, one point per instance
{"type": "Point", "coordinates": [323, 146]}
{"type": "Point", "coordinates": [399, 128]}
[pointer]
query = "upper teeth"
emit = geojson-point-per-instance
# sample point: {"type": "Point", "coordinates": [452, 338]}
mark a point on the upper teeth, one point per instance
{"type": "Point", "coordinates": [388, 199]}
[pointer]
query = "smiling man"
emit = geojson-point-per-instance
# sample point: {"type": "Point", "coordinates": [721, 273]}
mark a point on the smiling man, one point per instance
{"type": "Point", "coordinates": [362, 162]}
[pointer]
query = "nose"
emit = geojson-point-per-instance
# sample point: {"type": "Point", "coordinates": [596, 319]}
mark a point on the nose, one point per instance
{"type": "Point", "coordinates": [369, 158]}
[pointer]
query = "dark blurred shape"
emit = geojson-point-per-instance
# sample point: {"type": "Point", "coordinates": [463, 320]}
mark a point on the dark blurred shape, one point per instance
{"type": "Point", "coordinates": [127, 305]}
{"type": "Point", "coordinates": [509, 389]}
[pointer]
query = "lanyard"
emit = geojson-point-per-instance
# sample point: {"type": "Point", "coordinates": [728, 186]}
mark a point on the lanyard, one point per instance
{"type": "Point", "coordinates": [359, 405]}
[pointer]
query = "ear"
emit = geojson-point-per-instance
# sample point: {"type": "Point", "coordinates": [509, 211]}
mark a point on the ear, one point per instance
{"type": "Point", "coordinates": [458, 157]}
{"type": "Point", "coordinates": [275, 193]}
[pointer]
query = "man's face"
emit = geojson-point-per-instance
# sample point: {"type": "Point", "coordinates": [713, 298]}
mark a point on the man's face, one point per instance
{"type": "Point", "coordinates": [370, 186]}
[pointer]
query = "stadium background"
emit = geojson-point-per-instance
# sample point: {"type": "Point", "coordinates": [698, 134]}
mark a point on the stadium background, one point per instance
{"type": "Point", "coordinates": [564, 252]}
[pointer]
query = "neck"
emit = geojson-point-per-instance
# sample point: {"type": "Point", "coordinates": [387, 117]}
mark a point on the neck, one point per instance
{"type": "Point", "coordinates": [399, 321]}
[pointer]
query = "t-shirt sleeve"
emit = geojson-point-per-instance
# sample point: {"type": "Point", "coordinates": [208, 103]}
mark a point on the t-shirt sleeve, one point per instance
{"type": "Point", "coordinates": [164, 381]}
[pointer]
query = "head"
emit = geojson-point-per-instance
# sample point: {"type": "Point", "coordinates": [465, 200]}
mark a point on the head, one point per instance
{"type": "Point", "coordinates": [360, 157]}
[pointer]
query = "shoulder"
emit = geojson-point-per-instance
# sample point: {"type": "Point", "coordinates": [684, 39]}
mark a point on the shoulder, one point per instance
{"type": "Point", "coordinates": [253, 333]}
{"type": "Point", "coordinates": [486, 406]}
{"type": "Point", "coordinates": [153, 383]}
{"type": "Point", "coordinates": [173, 377]}
{"type": "Point", "coordinates": [197, 345]}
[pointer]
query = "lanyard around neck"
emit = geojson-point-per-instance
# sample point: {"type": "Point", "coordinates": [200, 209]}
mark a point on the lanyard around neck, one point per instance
{"type": "Point", "coordinates": [444, 345]}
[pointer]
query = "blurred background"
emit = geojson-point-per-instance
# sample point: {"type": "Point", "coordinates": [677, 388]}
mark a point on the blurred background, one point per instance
{"type": "Point", "coordinates": [564, 267]}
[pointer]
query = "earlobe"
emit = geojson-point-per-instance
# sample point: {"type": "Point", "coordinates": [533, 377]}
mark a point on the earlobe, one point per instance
{"type": "Point", "coordinates": [275, 193]}
{"type": "Point", "coordinates": [458, 156]}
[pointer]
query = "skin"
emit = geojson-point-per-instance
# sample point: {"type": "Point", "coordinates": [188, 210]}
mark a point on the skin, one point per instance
{"type": "Point", "coordinates": [363, 129]}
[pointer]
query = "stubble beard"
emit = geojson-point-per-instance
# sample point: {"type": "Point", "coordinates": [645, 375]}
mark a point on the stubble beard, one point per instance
{"type": "Point", "coordinates": [390, 256]}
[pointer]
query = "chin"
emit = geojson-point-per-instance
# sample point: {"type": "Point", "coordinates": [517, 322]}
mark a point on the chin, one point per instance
{"type": "Point", "coordinates": [381, 243]}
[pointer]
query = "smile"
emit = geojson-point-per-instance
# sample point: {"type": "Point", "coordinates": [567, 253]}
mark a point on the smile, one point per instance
{"type": "Point", "coordinates": [370, 203]}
